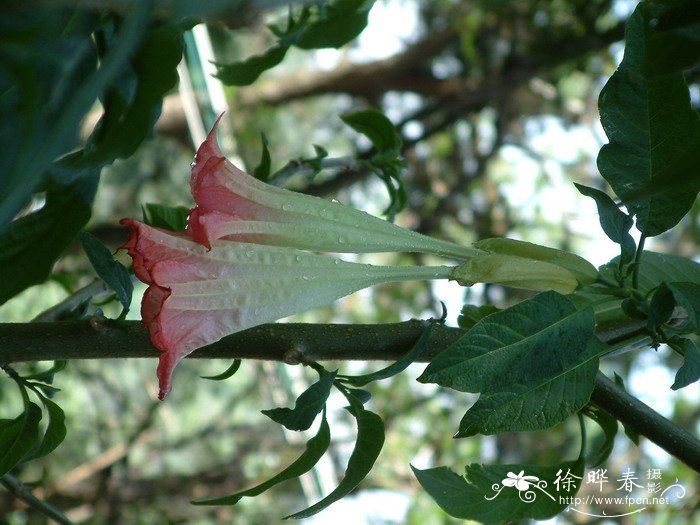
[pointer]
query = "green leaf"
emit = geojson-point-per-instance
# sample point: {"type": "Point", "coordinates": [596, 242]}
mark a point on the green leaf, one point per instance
{"type": "Point", "coordinates": [653, 131]}
{"type": "Point", "coordinates": [470, 314]}
{"type": "Point", "coordinates": [376, 127]}
{"type": "Point", "coordinates": [689, 372]}
{"type": "Point", "coordinates": [674, 36]}
{"type": "Point", "coordinates": [307, 406]}
{"type": "Point", "coordinates": [656, 268]}
{"type": "Point", "coordinates": [534, 364]}
{"type": "Point", "coordinates": [629, 432]}
{"type": "Point", "coordinates": [482, 496]}
{"type": "Point", "coordinates": [370, 439]}
{"type": "Point", "coordinates": [30, 245]}
{"type": "Point", "coordinates": [262, 170]}
{"type": "Point", "coordinates": [110, 271]}
{"type": "Point", "coordinates": [341, 22]}
{"type": "Point", "coordinates": [615, 223]}
{"type": "Point", "coordinates": [18, 436]}
{"type": "Point", "coordinates": [55, 431]}
{"type": "Point", "coordinates": [687, 296]}
{"type": "Point", "coordinates": [173, 218]}
{"type": "Point", "coordinates": [395, 368]}
{"type": "Point", "coordinates": [246, 72]}
{"type": "Point", "coordinates": [315, 448]}
{"type": "Point", "coordinates": [661, 307]}
{"type": "Point", "coordinates": [599, 449]}
{"type": "Point", "coordinates": [48, 374]}
{"type": "Point", "coordinates": [229, 372]}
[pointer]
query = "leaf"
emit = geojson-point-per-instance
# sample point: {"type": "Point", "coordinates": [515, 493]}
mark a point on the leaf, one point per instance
{"type": "Point", "coordinates": [615, 223]}
{"type": "Point", "coordinates": [246, 72]}
{"type": "Point", "coordinates": [687, 296]}
{"type": "Point", "coordinates": [315, 448]}
{"type": "Point", "coordinates": [307, 406]}
{"type": "Point", "coordinates": [30, 245]}
{"type": "Point", "coordinates": [229, 372]}
{"type": "Point", "coordinates": [48, 374]}
{"type": "Point", "coordinates": [262, 170]}
{"type": "Point", "coordinates": [471, 314]}
{"type": "Point", "coordinates": [399, 366]}
{"type": "Point", "coordinates": [370, 439]}
{"type": "Point", "coordinates": [674, 36]}
{"type": "Point", "coordinates": [55, 431]}
{"type": "Point", "coordinates": [629, 432]}
{"type": "Point", "coordinates": [481, 495]}
{"type": "Point", "coordinates": [600, 449]}
{"type": "Point", "coordinates": [110, 271]}
{"type": "Point", "coordinates": [689, 372]}
{"type": "Point", "coordinates": [534, 364]}
{"type": "Point", "coordinates": [653, 131]}
{"type": "Point", "coordinates": [363, 396]}
{"type": "Point", "coordinates": [656, 268]}
{"type": "Point", "coordinates": [18, 436]}
{"type": "Point", "coordinates": [173, 218]}
{"type": "Point", "coordinates": [661, 307]}
{"type": "Point", "coordinates": [343, 20]}
{"type": "Point", "coordinates": [376, 127]}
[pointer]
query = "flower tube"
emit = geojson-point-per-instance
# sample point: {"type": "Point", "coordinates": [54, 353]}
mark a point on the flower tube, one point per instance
{"type": "Point", "coordinates": [232, 205]}
{"type": "Point", "coordinates": [197, 295]}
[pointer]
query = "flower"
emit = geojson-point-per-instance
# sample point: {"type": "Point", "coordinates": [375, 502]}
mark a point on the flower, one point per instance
{"type": "Point", "coordinates": [232, 205]}
{"type": "Point", "coordinates": [519, 481]}
{"type": "Point", "coordinates": [197, 295]}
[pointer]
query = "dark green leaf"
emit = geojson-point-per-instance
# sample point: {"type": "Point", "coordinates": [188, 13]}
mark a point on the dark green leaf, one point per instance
{"type": "Point", "coordinates": [110, 271]}
{"type": "Point", "coordinates": [307, 406]}
{"type": "Point", "coordinates": [615, 223]}
{"type": "Point", "coordinates": [226, 373]}
{"type": "Point", "coordinates": [47, 375]}
{"type": "Point", "coordinates": [653, 131]}
{"type": "Point", "coordinates": [689, 372]}
{"type": "Point", "coordinates": [362, 395]}
{"type": "Point", "coordinates": [599, 449]}
{"type": "Point", "coordinates": [55, 431]}
{"type": "Point", "coordinates": [262, 170]}
{"type": "Point", "coordinates": [687, 296]}
{"type": "Point", "coordinates": [629, 432]}
{"type": "Point", "coordinates": [173, 218]}
{"type": "Point", "coordinates": [341, 22]}
{"type": "Point", "coordinates": [315, 448]}
{"type": "Point", "coordinates": [247, 71]}
{"type": "Point", "coordinates": [30, 245]}
{"type": "Point", "coordinates": [534, 364]}
{"type": "Point", "coordinates": [484, 498]}
{"type": "Point", "coordinates": [399, 366]}
{"type": "Point", "coordinates": [376, 127]}
{"type": "Point", "coordinates": [471, 314]}
{"type": "Point", "coordinates": [661, 307]}
{"type": "Point", "coordinates": [370, 439]}
{"type": "Point", "coordinates": [674, 36]}
{"type": "Point", "coordinates": [18, 436]}
{"type": "Point", "coordinates": [656, 268]}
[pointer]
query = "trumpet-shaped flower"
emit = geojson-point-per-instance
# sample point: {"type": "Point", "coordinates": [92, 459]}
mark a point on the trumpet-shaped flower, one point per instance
{"type": "Point", "coordinates": [197, 295]}
{"type": "Point", "coordinates": [235, 206]}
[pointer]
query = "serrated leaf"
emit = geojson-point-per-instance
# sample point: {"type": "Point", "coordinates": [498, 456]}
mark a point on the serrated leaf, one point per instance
{"type": "Point", "coordinates": [30, 245]}
{"type": "Point", "coordinates": [482, 495]}
{"type": "Point", "coordinates": [689, 372]}
{"type": "Point", "coordinates": [370, 439]}
{"type": "Point", "coordinates": [55, 431]}
{"type": "Point", "coordinates": [247, 71]}
{"type": "Point", "coordinates": [18, 436]}
{"type": "Point", "coordinates": [399, 366]}
{"type": "Point", "coordinates": [173, 218]}
{"type": "Point", "coordinates": [615, 223]}
{"type": "Point", "coordinates": [341, 22]}
{"type": "Point", "coordinates": [470, 314]}
{"type": "Point", "coordinates": [110, 271]}
{"type": "Point", "coordinates": [376, 127]}
{"type": "Point", "coordinates": [599, 449]}
{"type": "Point", "coordinates": [653, 131]}
{"type": "Point", "coordinates": [262, 170]}
{"type": "Point", "coordinates": [229, 372]}
{"type": "Point", "coordinates": [315, 448]}
{"type": "Point", "coordinates": [307, 406]}
{"type": "Point", "coordinates": [656, 268]}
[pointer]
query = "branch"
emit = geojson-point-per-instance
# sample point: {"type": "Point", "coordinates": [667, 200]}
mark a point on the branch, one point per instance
{"type": "Point", "coordinates": [23, 493]}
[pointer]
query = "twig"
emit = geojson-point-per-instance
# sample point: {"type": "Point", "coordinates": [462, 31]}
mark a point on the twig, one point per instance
{"type": "Point", "coordinates": [15, 487]}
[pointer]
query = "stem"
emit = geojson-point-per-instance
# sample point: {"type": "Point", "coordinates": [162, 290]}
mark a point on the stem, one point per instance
{"type": "Point", "coordinates": [16, 488]}
{"type": "Point", "coordinates": [413, 273]}
{"type": "Point", "coordinates": [645, 421]}
{"type": "Point", "coordinates": [637, 260]}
